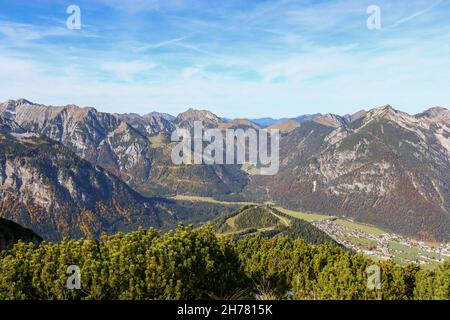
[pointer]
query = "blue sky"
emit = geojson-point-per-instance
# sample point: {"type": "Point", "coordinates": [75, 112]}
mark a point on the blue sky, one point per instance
{"type": "Point", "coordinates": [237, 58]}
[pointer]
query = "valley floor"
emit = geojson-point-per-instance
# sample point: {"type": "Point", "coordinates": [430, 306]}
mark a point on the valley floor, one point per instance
{"type": "Point", "coordinates": [363, 238]}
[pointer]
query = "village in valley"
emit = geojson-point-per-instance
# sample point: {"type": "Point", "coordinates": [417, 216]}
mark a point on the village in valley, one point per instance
{"type": "Point", "coordinates": [381, 245]}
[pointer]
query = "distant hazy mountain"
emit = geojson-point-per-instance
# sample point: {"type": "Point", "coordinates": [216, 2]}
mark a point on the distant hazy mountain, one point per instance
{"type": "Point", "coordinates": [285, 126]}
{"type": "Point", "coordinates": [307, 117]}
{"type": "Point", "coordinates": [163, 115]}
{"type": "Point", "coordinates": [267, 122]}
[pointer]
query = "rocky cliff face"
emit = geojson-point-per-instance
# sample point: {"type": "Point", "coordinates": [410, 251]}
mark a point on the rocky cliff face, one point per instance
{"type": "Point", "coordinates": [48, 188]}
{"type": "Point", "coordinates": [90, 134]}
{"type": "Point", "coordinates": [135, 148]}
{"type": "Point", "coordinates": [149, 124]}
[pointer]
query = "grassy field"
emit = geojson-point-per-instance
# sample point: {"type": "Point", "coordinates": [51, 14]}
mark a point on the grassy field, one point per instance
{"type": "Point", "coordinates": [207, 199]}
{"type": "Point", "coordinates": [359, 226]}
{"type": "Point", "coordinates": [304, 216]}
{"type": "Point", "coordinates": [296, 214]}
{"type": "Point", "coordinates": [362, 241]}
{"type": "Point", "coordinates": [403, 252]}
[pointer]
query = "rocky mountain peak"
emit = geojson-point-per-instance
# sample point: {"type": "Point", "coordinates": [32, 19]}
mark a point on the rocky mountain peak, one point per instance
{"type": "Point", "coordinates": [437, 110]}
{"type": "Point", "coordinates": [330, 120]}
{"type": "Point", "coordinates": [435, 114]}
{"type": "Point", "coordinates": [149, 124]}
{"type": "Point", "coordinates": [387, 112]}
{"type": "Point", "coordinates": [160, 115]}
{"type": "Point", "coordinates": [195, 114]}
{"type": "Point", "coordinates": [186, 119]}
{"type": "Point", "coordinates": [355, 116]}
{"type": "Point", "coordinates": [23, 101]}
{"type": "Point", "coordinates": [383, 110]}
{"type": "Point", "coordinates": [15, 103]}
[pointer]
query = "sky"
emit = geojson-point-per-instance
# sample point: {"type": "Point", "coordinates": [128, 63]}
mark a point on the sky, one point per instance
{"type": "Point", "coordinates": [237, 58]}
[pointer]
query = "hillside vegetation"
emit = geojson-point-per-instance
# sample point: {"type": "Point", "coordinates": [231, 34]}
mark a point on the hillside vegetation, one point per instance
{"type": "Point", "coordinates": [267, 221]}
{"type": "Point", "coordinates": [196, 264]}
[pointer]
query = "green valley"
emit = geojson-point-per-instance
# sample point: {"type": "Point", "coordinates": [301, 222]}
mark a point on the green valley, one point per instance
{"type": "Point", "coordinates": [360, 237]}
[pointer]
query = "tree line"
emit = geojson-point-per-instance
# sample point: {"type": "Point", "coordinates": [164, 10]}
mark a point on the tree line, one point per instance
{"type": "Point", "coordinates": [190, 263]}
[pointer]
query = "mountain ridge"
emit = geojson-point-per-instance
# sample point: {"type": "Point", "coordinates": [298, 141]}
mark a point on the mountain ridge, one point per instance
{"type": "Point", "coordinates": [49, 189]}
{"type": "Point", "coordinates": [371, 165]}
{"type": "Point", "coordinates": [387, 168]}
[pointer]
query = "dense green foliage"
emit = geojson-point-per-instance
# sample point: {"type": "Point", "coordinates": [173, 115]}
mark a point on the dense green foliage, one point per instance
{"type": "Point", "coordinates": [196, 264]}
{"type": "Point", "coordinates": [256, 217]}
{"type": "Point", "coordinates": [144, 264]}
{"type": "Point", "coordinates": [306, 231]}
{"type": "Point", "coordinates": [268, 222]}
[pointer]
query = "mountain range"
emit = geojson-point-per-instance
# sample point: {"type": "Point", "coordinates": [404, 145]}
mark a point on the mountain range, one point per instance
{"type": "Point", "coordinates": [385, 167]}
{"type": "Point", "coordinates": [85, 171]}
{"type": "Point", "coordinates": [47, 187]}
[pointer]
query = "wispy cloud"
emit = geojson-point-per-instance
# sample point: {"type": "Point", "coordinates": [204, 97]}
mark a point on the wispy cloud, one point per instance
{"type": "Point", "coordinates": [414, 15]}
{"type": "Point", "coordinates": [12, 67]}
{"type": "Point", "coordinates": [238, 58]}
{"type": "Point", "coordinates": [133, 6]}
{"type": "Point", "coordinates": [127, 70]}
{"type": "Point", "coordinates": [159, 44]}
{"type": "Point", "coordinates": [20, 32]}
